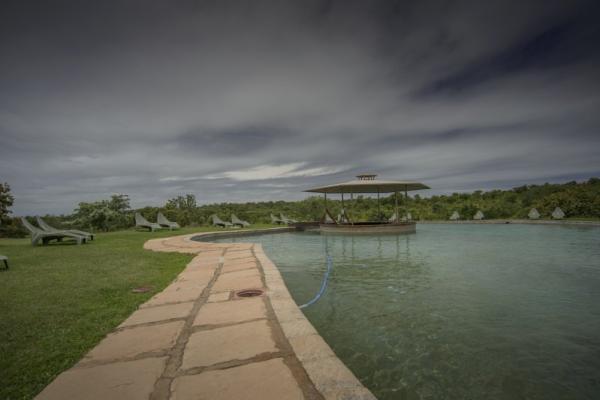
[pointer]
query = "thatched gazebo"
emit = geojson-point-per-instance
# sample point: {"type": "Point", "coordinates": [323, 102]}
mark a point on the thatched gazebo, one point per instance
{"type": "Point", "coordinates": [366, 183]}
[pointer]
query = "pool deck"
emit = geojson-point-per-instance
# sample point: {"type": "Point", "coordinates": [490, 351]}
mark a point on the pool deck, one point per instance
{"type": "Point", "coordinates": [198, 340]}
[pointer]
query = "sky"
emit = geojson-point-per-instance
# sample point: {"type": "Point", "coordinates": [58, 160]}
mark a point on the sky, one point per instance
{"type": "Point", "coordinates": [259, 100]}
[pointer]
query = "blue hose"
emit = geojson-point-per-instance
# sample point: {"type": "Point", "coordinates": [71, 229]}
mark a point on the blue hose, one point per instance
{"type": "Point", "coordinates": [323, 284]}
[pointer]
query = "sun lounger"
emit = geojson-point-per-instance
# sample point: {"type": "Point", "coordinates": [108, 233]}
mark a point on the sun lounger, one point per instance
{"type": "Point", "coordinates": [219, 222]}
{"type": "Point", "coordinates": [164, 222]}
{"type": "Point", "coordinates": [286, 220]}
{"type": "Point", "coordinates": [144, 223]}
{"type": "Point", "coordinates": [558, 213]}
{"type": "Point", "coordinates": [42, 224]}
{"type": "Point", "coordinates": [533, 214]}
{"type": "Point", "coordinates": [236, 221]}
{"type": "Point", "coordinates": [342, 217]}
{"type": "Point", "coordinates": [38, 235]}
{"type": "Point", "coordinates": [275, 220]}
{"type": "Point", "coordinates": [4, 258]}
{"type": "Point", "coordinates": [328, 218]}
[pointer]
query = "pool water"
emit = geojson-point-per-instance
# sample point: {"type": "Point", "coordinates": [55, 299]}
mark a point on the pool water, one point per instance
{"type": "Point", "coordinates": [455, 311]}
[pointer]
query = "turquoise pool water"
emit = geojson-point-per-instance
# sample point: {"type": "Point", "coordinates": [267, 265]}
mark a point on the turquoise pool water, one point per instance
{"type": "Point", "coordinates": [456, 311]}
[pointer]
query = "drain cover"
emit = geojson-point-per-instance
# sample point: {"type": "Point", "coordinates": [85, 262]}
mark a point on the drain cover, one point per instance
{"type": "Point", "coordinates": [249, 293]}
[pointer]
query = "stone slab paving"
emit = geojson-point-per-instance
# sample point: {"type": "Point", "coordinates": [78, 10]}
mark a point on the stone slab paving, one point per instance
{"type": "Point", "coordinates": [221, 296]}
{"type": "Point", "coordinates": [197, 339]}
{"type": "Point", "coordinates": [176, 294]}
{"type": "Point", "coordinates": [120, 380]}
{"type": "Point", "coordinates": [264, 380]}
{"type": "Point", "coordinates": [129, 343]}
{"type": "Point", "coordinates": [159, 313]}
{"type": "Point", "coordinates": [228, 312]}
{"type": "Point", "coordinates": [238, 280]}
{"type": "Point", "coordinates": [239, 266]}
{"type": "Point", "coordinates": [237, 342]}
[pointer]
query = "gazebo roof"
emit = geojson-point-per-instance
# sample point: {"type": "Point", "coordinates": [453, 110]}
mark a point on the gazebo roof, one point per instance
{"type": "Point", "coordinates": [368, 184]}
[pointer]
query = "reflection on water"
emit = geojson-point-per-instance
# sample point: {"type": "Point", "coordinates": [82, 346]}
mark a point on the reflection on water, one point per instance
{"type": "Point", "coordinates": [456, 311]}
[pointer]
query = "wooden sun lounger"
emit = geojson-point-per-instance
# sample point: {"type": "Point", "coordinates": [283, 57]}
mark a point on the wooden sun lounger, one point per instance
{"type": "Point", "coordinates": [165, 223]}
{"type": "Point", "coordinates": [42, 224]}
{"type": "Point", "coordinates": [286, 220]}
{"type": "Point", "coordinates": [219, 222]}
{"type": "Point", "coordinates": [238, 222]}
{"type": "Point", "coordinates": [275, 220]}
{"type": "Point", "coordinates": [144, 223]}
{"type": "Point", "coordinates": [38, 235]}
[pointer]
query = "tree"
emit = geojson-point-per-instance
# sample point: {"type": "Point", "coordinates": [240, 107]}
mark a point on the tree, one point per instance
{"type": "Point", "coordinates": [119, 203]}
{"type": "Point", "coordinates": [6, 201]}
{"type": "Point", "coordinates": [104, 215]}
{"type": "Point", "coordinates": [183, 210]}
{"type": "Point", "coordinates": [187, 202]}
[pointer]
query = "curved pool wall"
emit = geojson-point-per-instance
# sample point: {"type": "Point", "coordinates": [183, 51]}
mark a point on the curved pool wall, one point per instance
{"type": "Point", "coordinates": [368, 229]}
{"type": "Point", "coordinates": [224, 235]}
{"type": "Point", "coordinates": [455, 311]}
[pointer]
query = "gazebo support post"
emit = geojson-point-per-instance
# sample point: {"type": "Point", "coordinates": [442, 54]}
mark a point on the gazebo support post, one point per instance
{"type": "Point", "coordinates": [406, 200]}
{"type": "Point", "coordinates": [378, 207]}
{"type": "Point", "coordinates": [397, 215]}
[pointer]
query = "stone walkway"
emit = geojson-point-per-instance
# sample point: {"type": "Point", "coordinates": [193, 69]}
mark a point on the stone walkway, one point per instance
{"type": "Point", "coordinates": [198, 339]}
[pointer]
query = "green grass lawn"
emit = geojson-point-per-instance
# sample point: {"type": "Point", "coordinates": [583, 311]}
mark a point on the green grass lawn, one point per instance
{"type": "Point", "coordinates": [58, 301]}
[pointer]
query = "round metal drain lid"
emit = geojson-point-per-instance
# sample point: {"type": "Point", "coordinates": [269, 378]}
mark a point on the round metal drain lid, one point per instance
{"type": "Point", "coordinates": [249, 293]}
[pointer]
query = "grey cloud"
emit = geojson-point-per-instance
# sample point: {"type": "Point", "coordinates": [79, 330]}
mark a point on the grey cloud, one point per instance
{"type": "Point", "coordinates": [553, 47]}
{"type": "Point", "coordinates": [153, 98]}
{"type": "Point", "coordinates": [248, 139]}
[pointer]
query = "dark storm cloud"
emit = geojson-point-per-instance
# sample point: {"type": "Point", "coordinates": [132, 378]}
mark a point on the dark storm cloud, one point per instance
{"type": "Point", "coordinates": [565, 43]}
{"type": "Point", "coordinates": [245, 140]}
{"type": "Point", "coordinates": [239, 101]}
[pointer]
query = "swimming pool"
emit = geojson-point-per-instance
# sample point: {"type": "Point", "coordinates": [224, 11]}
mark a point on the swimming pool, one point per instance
{"type": "Point", "coordinates": [455, 311]}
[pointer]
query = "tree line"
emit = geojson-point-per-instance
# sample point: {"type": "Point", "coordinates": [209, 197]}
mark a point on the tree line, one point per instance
{"type": "Point", "coordinates": [576, 199]}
